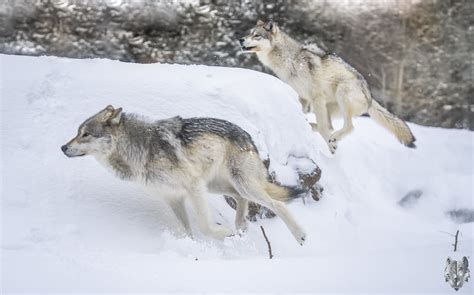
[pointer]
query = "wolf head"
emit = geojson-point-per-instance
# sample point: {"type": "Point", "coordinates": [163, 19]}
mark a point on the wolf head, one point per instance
{"type": "Point", "coordinates": [94, 136]}
{"type": "Point", "coordinates": [457, 272]}
{"type": "Point", "coordinates": [260, 38]}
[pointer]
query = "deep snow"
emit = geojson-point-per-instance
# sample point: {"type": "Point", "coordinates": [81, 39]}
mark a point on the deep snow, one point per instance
{"type": "Point", "coordinates": [70, 226]}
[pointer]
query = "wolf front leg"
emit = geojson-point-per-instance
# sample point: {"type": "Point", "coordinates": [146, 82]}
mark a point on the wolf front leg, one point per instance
{"type": "Point", "coordinates": [308, 108]}
{"type": "Point", "coordinates": [323, 127]}
{"type": "Point", "coordinates": [201, 207]}
{"type": "Point", "coordinates": [314, 126]}
{"type": "Point", "coordinates": [305, 104]}
{"type": "Point", "coordinates": [343, 102]}
{"type": "Point", "coordinates": [179, 209]}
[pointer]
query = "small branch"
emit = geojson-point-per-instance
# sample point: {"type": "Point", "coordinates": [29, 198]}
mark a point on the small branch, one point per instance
{"type": "Point", "coordinates": [456, 241]}
{"type": "Point", "coordinates": [445, 232]}
{"type": "Point", "coordinates": [270, 254]}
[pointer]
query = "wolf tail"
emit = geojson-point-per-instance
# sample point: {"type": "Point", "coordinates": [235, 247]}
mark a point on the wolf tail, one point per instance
{"type": "Point", "coordinates": [283, 193]}
{"type": "Point", "coordinates": [392, 123]}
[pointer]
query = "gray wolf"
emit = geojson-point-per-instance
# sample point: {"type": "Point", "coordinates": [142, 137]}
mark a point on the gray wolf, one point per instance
{"type": "Point", "coordinates": [182, 159]}
{"type": "Point", "coordinates": [326, 84]}
{"type": "Point", "coordinates": [457, 272]}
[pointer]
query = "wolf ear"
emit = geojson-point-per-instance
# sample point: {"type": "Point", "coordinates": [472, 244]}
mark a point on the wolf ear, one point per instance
{"type": "Point", "coordinates": [111, 115]}
{"type": "Point", "coordinates": [465, 262]}
{"type": "Point", "coordinates": [115, 117]}
{"type": "Point", "coordinates": [448, 261]}
{"type": "Point", "coordinates": [270, 26]}
{"type": "Point", "coordinates": [260, 22]}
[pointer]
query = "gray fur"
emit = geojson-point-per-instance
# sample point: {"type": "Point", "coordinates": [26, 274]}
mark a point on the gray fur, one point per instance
{"type": "Point", "coordinates": [362, 82]}
{"type": "Point", "coordinates": [325, 83]}
{"type": "Point", "coordinates": [180, 159]}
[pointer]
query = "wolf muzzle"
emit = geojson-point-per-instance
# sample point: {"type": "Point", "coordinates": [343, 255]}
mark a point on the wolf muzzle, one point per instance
{"type": "Point", "coordinates": [64, 148]}
{"type": "Point", "coordinates": [66, 151]}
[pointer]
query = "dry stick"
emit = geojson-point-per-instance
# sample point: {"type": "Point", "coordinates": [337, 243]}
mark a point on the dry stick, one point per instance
{"type": "Point", "coordinates": [268, 243]}
{"type": "Point", "coordinates": [456, 241]}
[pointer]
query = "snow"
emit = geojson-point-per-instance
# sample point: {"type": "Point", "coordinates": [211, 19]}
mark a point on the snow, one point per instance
{"type": "Point", "coordinates": [70, 226]}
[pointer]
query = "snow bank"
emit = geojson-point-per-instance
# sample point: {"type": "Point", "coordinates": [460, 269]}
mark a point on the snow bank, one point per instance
{"type": "Point", "coordinates": [68, 225]}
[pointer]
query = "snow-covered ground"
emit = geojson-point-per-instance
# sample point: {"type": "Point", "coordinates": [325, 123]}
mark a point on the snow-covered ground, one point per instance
{"type": "Point", "coordinates": [70, 226]}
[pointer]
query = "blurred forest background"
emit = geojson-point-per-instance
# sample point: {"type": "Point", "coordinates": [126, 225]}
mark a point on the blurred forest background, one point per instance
{"type": "Point", "coordinates": [417, 55]}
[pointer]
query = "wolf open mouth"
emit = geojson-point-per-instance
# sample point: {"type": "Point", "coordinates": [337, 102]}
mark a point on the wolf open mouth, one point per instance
{"type": "Point", "coordinates": [75, 156]}
{"type": "Point", "coordinates": [248, 48]}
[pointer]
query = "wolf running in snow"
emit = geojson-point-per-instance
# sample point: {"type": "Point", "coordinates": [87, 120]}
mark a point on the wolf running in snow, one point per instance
{"type": "Point", "coordinates": [326, 84]}
{"type": "Point", "coordinates": [182, 159]}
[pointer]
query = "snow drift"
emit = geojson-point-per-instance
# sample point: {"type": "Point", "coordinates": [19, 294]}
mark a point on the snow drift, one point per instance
{"type": "Point", "coordinates": [68, 225]}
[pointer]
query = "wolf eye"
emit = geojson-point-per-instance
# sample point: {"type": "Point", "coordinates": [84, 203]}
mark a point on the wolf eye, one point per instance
{"type": "Point", "coordinates": [257, 36]}
{"type": "Point", "coordinates": [85, 134]}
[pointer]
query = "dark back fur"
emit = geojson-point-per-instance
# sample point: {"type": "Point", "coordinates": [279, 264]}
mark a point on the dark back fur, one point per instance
{"type": "Point", "coordinates": [195, 127]}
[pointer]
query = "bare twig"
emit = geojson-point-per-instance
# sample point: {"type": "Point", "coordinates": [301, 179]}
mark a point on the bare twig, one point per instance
{"type": "Point", "coordinates": [445, 232]}
{"type": "Point", "coordinates": [456, 241]}
{"type": "Point", "coordinates": [270, 254]}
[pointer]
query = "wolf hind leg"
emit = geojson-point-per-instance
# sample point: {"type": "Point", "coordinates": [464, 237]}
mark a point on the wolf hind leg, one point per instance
{"type": "Point", "coordinates": [241, 211]}
{"type": "Point", "coordinates": [254, 191]}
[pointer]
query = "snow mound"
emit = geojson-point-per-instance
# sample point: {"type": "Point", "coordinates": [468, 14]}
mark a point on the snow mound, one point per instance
{"type": "Point", "coordinates": [68, 225]}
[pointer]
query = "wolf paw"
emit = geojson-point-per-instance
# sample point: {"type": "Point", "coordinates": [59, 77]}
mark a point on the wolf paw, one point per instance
{"type": "Point", "coordinates": [332, 144]}
{"type": "Point", "coordinates": [302, 239]}
{"type": "Point", "coordinates": [300, 236]}
{"type": "Point", "coordinates": [242, 226]}
{"type": "Point", "coordinates": [221, 232]}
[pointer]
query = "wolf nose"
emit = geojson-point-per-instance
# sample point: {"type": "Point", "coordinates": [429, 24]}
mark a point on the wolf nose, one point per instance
{"type": "Point", "coordinates": [241, 40]}
{"type": "Point", "coordinates": [64, 148]}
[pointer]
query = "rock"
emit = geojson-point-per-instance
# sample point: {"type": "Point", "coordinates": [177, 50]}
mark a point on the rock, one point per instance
{"type": "Point", "coordinates": [410, 199]}
{"type": "Point", "coordinates": [461, 215]}
{"type": "Point", "coordinates": [308, 181]}
{"type": "Point", "coordinates": [255, 210]}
